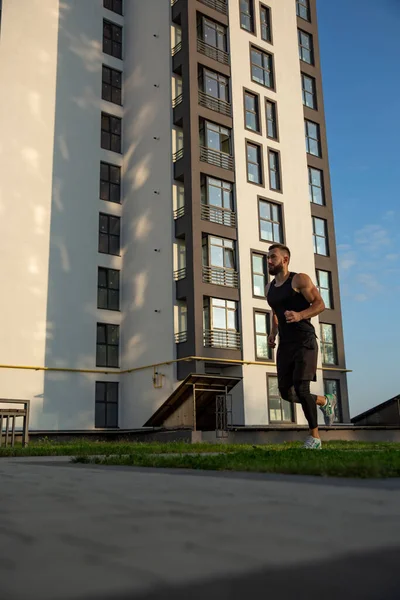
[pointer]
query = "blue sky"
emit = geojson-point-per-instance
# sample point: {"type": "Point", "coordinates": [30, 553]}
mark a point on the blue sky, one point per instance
{"type": "Point", "coordinates": [360, 53]}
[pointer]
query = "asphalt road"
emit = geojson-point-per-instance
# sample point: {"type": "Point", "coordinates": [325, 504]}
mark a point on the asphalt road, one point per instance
{"type": "Point", "coordinates": [80, 532]}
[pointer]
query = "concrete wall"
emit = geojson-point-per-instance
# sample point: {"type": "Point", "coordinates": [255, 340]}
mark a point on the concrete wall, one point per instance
{"type": "Point", "coordinates": [295, 198]}
{"type": "Point", "coordinates": [147, 278]}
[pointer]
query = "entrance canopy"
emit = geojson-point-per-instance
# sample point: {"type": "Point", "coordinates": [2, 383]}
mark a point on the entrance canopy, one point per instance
{"type": "Point", "coordinates": [201, 387]}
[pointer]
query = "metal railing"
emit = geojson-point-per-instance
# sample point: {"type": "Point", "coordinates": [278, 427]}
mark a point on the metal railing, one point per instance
{"type": "Point", "coordinates": [179, 212]}
{"type": "Point", "coordinates": [180, 274]}
{"type": "Point", "coordinates": [212, 52]}
{"type": "Point", "coordinates": [216, 158]}
{"type": "Point", "coordinates": [225, 108]}
{"type": "Point", "coordinates": [220, 276]}
{"type": "Point", "coordinates": [177, 155]}
{"type": "Point", "coordinates": [218, 5]}
{"type": "Point", "coordinates": [8, 415]}
{"type": "Point", "coordinates": [181, 337]}
{"type": "Point", "coordinates": [177, 101]}
{"type": "Point", "coordinates": [221, 338]}
{"type": "Point", "coordinates": [216, 214]}
{"type": "Point", "coordinates": [176, 48]}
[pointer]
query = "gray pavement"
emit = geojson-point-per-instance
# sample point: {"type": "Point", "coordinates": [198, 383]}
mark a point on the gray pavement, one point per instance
{"type": "Point", "coordinates": [79, 532]}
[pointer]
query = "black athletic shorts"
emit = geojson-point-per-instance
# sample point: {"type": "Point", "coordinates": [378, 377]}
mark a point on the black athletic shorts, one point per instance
{"type": "Point", "coordinates": [297, 361]}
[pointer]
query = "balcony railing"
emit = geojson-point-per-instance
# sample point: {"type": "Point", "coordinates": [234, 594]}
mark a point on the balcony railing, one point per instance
{"type": "Point", "coordinates": [225, 108]}
{"type": "Point", "coordinates": [181, 337]}
{"type": "Point", "coordinates": [221, 338]}
{"type": "Point", "coordinates": [212, 52]}
{"type": "Point", "coordinates": [216, 158]}
{"type": "Point", "coordinates": [216, 214]}
{"type": "Point", "coordinates": [177, 101]}
{"type": "Point", "coordinates": [220, 276]}
{"type": "Point", "coordinates": [180, 274]}
{"type": "Point", "coordinates": [177, 155]}
{"type": "Point", "coordinates": [179, 212]}
{"type": "Point", "coordinates": [218, 5]}
{"type": "Point", "coordinates": [176, 48]}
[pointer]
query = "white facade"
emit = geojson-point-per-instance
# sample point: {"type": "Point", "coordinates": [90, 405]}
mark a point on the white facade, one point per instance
{"type": "Point", "coordinates": [295, 197]}
{"type": "Point", "coordinates": [50, 121]}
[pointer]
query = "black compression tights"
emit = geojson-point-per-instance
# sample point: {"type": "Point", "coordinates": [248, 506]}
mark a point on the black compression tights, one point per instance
{"type": "Point", "coordinates": [300, 393]}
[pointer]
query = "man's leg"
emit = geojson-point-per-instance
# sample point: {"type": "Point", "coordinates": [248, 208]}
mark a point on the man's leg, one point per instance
{"type": "Point", "coordinates": [309, 404]}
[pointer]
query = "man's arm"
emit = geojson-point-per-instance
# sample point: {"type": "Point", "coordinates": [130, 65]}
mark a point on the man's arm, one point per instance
{"type": "Point", "coordinates": [274, 323]}
{"type": "Point", "coordinates": [303, 284]}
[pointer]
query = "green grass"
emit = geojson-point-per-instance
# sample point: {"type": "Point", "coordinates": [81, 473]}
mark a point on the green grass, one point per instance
{"type": "Point", "coordinates": [338, 463]}
{"type": "Point", "coordinates": [87, 448]}
{"type": "Point", "coordinates": [341, 459]}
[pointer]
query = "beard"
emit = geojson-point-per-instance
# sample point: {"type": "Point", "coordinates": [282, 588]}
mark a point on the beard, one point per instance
{"type": "Point", "coordinates": [275, 269]}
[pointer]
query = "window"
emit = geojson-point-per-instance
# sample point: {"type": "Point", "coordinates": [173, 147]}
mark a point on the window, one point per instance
{"type": "Point", "coordinates": [107, 351]}
{"type": "Point", "coordinates": [220, 323]}
{"type": "Point", "coordinates": [328, 344]}
{"type": "Point", "coordinates": [111, 85]}
{"type": "Point", "coordinates": [212, 33]}
{"type": "Point", "coordinates": [320, 236]}
{"type": "Point", "coordinates": [280, 411]}
{"type": "Point", "coordinates": [313, 143]}
{"type": "Point", "coordinates": [114, 5]}
{"type": "Point", "coordinates": [270, 222]}
{"type": "Point", "coordinates": [247, 15]}
{"type": "Point", "coordinates": [252, 112]}
{"type": "Point", "coordinates": [309, 91]}
{"type": "Point", "coordinates": [109, 234]}
{"type": "Point", "coordinates": [219, 261]}
{"type": "Point", "coordinates": [259, 273]}
{"type": "Point", "coordinates": [332, 386]}
{"type": "Point", "coordinates": [112, 39]}
{"type": "Point", "coordinates": [306, 51]}
{"type": "Point", "coordinates": [218, 195]}
{"type": "Point", "coordinates": [324, 287]}
{"type": "Point", "coordinates": [218, 252]}
{"type": "Point", "coordinates": [254, 164]}
{"type": "Point", "coordinates": [108, 289]}
{"type": "Point", "coordinates": [272, 122]}
{"type": "Point", "coordinates": [262, 328]}
{"type": "Point", "coordinates": [215, 137]}
{"type": "Point", "coordinates": [110, 133]}
{"type": "Point", "coordinates": [303, 9]}
{"type": "Point", "coordinates": [262, 68]}
{"type": "Point", "coordinates": [110, 182]}
{"type": "Point", "coordinates": [215, 85]}
{"type": "Point", "coordinates": [106, 404]}
{"type": "Point", "coordinates": [216, 192]}
{"type": "Point", "coordinates": [275, 180]}
{"type": "Point", "coordinates": [316, 186]}
{"type": "Point", "coordinates": [265, 21]}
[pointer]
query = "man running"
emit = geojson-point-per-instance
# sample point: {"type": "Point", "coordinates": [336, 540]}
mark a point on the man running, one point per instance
{"type": "Point", "coordinates": [294, 299]}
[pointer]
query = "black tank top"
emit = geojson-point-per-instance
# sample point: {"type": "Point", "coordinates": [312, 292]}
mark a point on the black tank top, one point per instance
{"type": "Point", "coordinates": [282, 298]}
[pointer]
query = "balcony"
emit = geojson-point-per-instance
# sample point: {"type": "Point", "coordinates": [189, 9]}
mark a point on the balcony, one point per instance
{"type": "Point", "coordinates": [216, 158]}
{"type": "Point", "coordinates": [220, 276]}
{"type": "Point", "coordinates": [220, 106]}
{"type": "Point", "coordinates": [221, 338]}
{"type": "Point", "coordinates": [216, 214]}
{"type": "Point", "coordinates": [180, 274]}
{"type": "Point", "coordinates": [218, 5]}
{"type": "Point", "coordinates": [179, 212]}
{"type": "Point", "coordinates": [212, 52]}
{"type": "Point", "coordinates": [181, 337]}
{"type": "Point", "coordinates": [177, 101]}
{"type": "Point", "coordinates": [176, 49]}
{"type": "Point", "coordinates": [178, 155]}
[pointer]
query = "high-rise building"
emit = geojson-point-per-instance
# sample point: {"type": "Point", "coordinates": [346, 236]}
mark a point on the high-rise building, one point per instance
{"type": "Point", "coordinates": [151, 152]}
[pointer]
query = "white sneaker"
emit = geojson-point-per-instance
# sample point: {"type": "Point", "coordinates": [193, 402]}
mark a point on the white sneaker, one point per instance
{"type": "Point", "coordinates": [312, 443]}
